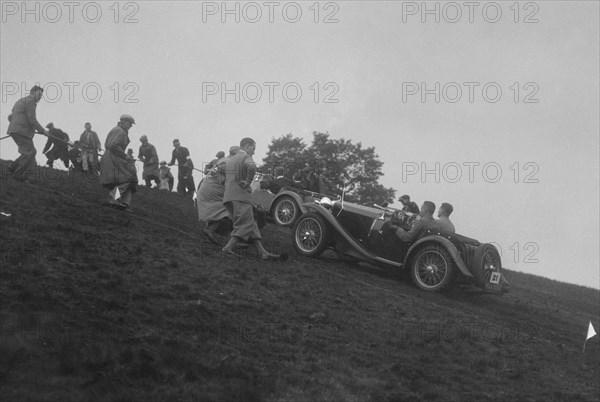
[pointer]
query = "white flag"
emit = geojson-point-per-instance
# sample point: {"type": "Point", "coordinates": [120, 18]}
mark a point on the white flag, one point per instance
{"type": "Point", "coordinates": [117, 193]}
{"type": "Point", "coordinates": [591, 331]}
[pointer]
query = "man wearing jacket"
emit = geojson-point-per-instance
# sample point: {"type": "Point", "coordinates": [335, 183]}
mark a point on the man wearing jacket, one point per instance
{"type": "Point", "coordinates": [90, 144]}
{"type": "Point", "coordinates": [117, 171]}
{"type": "Point", "coordinates": [237, 199]}
{"type": "Point", "coordinates": [180, 154]}
{"type": "Point", "coordinates": [23, 126]}
{"type": "Point", "coordinates": [59, 141]}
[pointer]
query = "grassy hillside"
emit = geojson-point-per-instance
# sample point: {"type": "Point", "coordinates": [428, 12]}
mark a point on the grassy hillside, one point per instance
{"type": "Point", "coordinates": [99, 304]}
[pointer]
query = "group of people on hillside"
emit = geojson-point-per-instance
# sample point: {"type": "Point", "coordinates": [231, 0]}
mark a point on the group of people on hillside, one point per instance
{"type": "Point", "coordinates": [225, 192]}
{"type": "Point", "coordinates": [84, 153]}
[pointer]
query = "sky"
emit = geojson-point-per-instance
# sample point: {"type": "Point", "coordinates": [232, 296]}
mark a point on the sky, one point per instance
{"type": "Point", "coordinates": [491, 106]}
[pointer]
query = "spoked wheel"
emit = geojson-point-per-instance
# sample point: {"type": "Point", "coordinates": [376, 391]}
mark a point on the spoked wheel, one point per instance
{"type": "Point", "coordinates": [310, 235]}
{"type": "Point", "coordinates": [433, 269]}
{"type": "Point", "coordinates": [487, 261]}
{"type": "Point", "coordinates": [286, 211]}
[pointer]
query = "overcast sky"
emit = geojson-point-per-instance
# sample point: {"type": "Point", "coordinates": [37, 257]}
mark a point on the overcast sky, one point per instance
{"type": "Point", "coordinates": [497, 103]}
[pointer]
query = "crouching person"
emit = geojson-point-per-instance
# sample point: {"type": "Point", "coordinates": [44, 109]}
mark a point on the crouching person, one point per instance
{"type": "Point", "coordinates": [118, 171]}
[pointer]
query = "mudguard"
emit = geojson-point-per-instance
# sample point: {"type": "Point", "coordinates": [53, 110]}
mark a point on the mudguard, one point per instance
{"type": "Point", "coordinates": [295, 196]}
{"type": "Point", "coordinates": [451, 248]}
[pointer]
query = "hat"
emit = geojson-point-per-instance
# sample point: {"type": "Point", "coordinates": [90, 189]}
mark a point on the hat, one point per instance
{"type": "Point", "coordinates": [162, 163]}
{"type": "Point", "coordinates": [126, 117]}
{"type": "Point", "coordinates": [49, 125]}
{"type": "Point", "coordinates": [143, 137]}
{"type": "Point", "coordinates": [174, 141]}
{"type": "Point", "coordinates": [220, 154]}
{"type": "Point", "coordinates": [405, 198]}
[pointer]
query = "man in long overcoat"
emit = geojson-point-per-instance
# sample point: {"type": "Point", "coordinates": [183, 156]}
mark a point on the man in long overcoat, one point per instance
{"type": "Point", "coordinates": [117, 169]}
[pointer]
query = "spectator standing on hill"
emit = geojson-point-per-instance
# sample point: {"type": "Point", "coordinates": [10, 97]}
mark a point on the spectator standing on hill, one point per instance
{"type": "Point", "coordinates": [90, 144]}
{"type": "Point", "coordinates": [166, 178]}
{"type": "Point", "coordinates": [23, 126]}
{"type": "Point", "coordinates": [59, 141]}
{"type": "Point", "coordinates": [117, 169]}
{"type": "Point", "coordinates": [180, 155]}
{"type": "Point", "coordinates": [188, 178]}
{"type": "Point", "coordinates": [147, 154]}
{"type": "Point", "coordinates": [75, 155]}
{"type": "Point", "coordinates": [239, 173]}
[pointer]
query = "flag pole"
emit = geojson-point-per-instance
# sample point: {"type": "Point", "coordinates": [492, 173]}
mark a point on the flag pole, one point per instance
{"type": "Point", "coordinates": [590, 334]}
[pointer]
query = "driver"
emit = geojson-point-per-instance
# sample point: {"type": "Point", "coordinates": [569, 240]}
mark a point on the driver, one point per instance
{"type": "Point", "coordinates": [427, 222]}
{"type": "Point", "coordinates": [408, 205]}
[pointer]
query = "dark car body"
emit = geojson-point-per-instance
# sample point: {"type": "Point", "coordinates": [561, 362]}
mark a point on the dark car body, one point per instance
{"type": "Point", "coordinates": [436, 260]}
{"type": "Point", "coordinates": [286, 205]}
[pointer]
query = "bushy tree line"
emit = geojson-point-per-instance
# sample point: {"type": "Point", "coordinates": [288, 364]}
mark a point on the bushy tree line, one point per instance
{"type": "Point", "coordinates": [343, 165]}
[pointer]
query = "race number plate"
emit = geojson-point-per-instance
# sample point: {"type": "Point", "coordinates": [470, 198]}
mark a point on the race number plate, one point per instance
{"type": "Point", "coordinates": [495, 278]}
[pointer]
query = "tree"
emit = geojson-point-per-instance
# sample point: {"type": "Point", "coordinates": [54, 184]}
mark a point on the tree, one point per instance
{"type": "Point", "coordinates": [286, 151]}
{"type": "Point", "coordinates": [343, 165]}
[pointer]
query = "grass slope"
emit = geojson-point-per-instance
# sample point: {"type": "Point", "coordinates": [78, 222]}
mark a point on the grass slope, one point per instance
{"type": "Point", "coordinates": [98, 304]}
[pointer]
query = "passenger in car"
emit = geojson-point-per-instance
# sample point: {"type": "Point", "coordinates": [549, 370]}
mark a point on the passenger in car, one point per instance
{"type": "Point", "coordinates": [279, 182]}
{"type": "Point", "coordinates": [444, 218]}
{"type": "Point", "coordinates": [426, 223]}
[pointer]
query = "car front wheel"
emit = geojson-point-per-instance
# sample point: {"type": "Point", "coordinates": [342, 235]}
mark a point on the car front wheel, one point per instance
{"type": "Point", "coordinates": [286, 211]}
{"type": "Point", "coordinates": [432, 268]}
{"type": "Point", "coordinates": [310, 235]}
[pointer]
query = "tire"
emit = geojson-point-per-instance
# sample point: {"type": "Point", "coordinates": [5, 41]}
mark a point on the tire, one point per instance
{"type": "Point", "coordinates": [486, 261]}
{"type": "Point", "coordinates": [285, 211]}
{"type": "Point", "coordinates": [310, 235]}
{"type": "Point", "coordinates": [432, 268]}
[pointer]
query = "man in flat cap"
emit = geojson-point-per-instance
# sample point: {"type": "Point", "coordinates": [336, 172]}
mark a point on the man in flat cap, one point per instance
{"type": "Point", "coordinates": [147, 154]}
{"type": "Point", "coordinates": [237, 198]}
{"type": "Point", "coordinates": [23, 126]}
{"type": "Point", "coordinates": [180, 155]}
{"type": "Point", "coordinates": [117, 169]}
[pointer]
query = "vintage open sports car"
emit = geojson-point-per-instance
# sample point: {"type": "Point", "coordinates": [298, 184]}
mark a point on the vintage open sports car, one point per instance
{"type": "Point", "coordinates": [436, 261]}
{"type": "Point", "coordinates": [285, 206]}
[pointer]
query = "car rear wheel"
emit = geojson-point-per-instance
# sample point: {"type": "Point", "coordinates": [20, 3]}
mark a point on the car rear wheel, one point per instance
{"type": "Point", "coordinates": [310, 235]}
{"type": "Point", "coordinates": [432, 268]}
{"type": "Point", "coordinates": [486, 262]}
{"type": "Point", "coordinates": [285, 211]}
